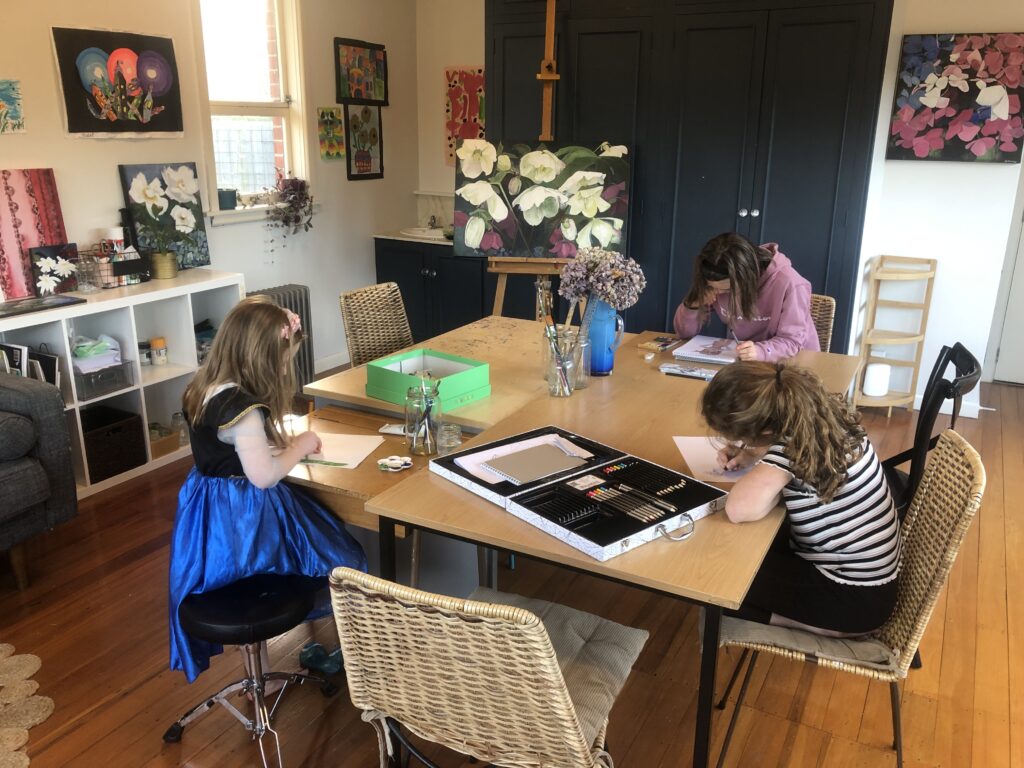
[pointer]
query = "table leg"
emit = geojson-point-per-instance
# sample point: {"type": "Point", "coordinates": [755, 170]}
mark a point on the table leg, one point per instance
{"type": "Point", "coordinates": [706, 691]}
{"type": "Point", "coordinates": [386, 528]}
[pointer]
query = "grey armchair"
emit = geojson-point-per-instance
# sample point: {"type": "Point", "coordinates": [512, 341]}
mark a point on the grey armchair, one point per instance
{"type": "Point", "coordinates": [37, 480]}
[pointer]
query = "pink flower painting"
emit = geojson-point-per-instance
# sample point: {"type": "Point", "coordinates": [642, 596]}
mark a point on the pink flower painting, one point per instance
{"type": "Point", "coordinates": [959, 98]}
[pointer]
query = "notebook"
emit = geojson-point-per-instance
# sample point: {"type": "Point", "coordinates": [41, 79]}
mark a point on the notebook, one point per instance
{"type": "Point", "coordinates": [707, 349]}
{"type": "Point", "coordinates": [531, 464]}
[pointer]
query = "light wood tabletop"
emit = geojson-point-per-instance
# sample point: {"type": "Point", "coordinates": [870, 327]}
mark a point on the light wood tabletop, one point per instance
{"type": "Point", "coordinates": [512, 347]}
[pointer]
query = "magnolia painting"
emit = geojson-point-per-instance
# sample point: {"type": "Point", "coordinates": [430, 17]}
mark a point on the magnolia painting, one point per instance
{"type": "Point", "coordinates": [539, 201]}
{"type": "Point", "coordinates": [330, 124]}
{"type": "Point", "coordinates": [463, 107]}
{"type": "Point", "coordinates": [166, 211]}
{"type": "Point", "coordinates": [118, 83]}
{"type": "Point", "coordinates": [959, 98]}
{"type": "Point", "coordinates": [11, 118]}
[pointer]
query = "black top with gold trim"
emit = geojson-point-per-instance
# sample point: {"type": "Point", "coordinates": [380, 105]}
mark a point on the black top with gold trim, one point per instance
{"type": "Point", "coordinates": [214, 458]}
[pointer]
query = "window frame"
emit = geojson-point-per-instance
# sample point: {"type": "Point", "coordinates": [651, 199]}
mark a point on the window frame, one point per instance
{"type": "Point", "coordinates": [289, 108]}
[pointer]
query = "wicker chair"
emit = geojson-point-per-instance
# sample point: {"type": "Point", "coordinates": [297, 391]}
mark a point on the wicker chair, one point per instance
{"type": "Point", "coordinates": [946, 502]}
{"type": "Point", "coordinates": [823, 313]}
{"type": "Point", "coordinates": [375, 322]}
{"type": "Point", "coordinates": [484, 679]}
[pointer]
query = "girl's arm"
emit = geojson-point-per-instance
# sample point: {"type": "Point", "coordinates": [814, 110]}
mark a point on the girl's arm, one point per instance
{"type": "Point", "coordinates": [794, 319]}
{"type": "Point", "coordinates": [688, 322]}
{"type": "Point", "coordinates": [756, 493]}
{"type": "Point", "coordinates": [262, 468]}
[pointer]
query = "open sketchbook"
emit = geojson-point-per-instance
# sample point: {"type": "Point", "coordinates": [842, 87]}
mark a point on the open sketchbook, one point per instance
{"type": "Point", "coordinates": [701, 456]}
{"type": "Point", "coordinates": [707, 349]}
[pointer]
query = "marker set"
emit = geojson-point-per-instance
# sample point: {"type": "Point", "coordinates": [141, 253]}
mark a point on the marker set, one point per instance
{"type": "Point", "coordinates": [612, 504]}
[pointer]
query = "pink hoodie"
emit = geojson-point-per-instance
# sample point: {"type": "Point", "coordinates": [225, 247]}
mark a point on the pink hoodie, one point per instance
{"type": "Point", "coordinates": [783, 325]}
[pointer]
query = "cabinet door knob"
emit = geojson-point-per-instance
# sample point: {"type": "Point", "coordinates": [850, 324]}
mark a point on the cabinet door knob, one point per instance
{"type": "Point", "coordinates": [755, 213]}
{"type": "Point", "coordinates": [424, 272]}
{"type": "Point", "coordinates": [433, 273]}
{"type": "Point", "coordinates": [742, 213]}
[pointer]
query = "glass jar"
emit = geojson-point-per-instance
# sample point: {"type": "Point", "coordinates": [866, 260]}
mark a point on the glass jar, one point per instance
{"type": "Point", "coordinates": [178, 425]}
{"type": "Point", "coordinates": [575, 349]}
{"type": "Point", "coordinates": [145, 353]}
{"type": "Point", "coordinates": [422, 417]}
{"type": "Point", "coordinates": [158, 350]}
{"type": "Point", "coordinates": [449, 438]}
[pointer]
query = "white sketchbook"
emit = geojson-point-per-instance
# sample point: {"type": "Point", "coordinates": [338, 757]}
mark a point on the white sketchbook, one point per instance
{"type": "Point", "coordinates": [701, 456]}
{"type": "Point", "coordinates": [345, 451]}
{"type": "Point", "coordinates": [707, 349]}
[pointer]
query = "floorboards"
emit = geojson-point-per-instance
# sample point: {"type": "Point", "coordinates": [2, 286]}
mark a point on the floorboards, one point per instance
{"type": "Point", "coordinates": [95, 613]}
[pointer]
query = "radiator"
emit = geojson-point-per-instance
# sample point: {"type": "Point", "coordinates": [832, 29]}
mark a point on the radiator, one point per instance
{"type": "Point", "coordinates": [296, 298]}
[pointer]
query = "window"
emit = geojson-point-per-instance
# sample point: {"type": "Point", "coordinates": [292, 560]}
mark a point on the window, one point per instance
{"type": "Point", "coordinates": [250, 108]}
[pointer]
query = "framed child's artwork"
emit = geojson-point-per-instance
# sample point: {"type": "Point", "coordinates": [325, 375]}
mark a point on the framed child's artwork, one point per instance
{"type": "Point", "coordinates": [364, 139]}
{"type": "Point", "coordinates": [360, 72]}
{"type": "Point", "coordinates": [118, 84]}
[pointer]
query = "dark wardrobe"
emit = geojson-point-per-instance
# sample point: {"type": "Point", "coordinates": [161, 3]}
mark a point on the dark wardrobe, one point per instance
{"type": "Point", "coordinates": [755, 117]}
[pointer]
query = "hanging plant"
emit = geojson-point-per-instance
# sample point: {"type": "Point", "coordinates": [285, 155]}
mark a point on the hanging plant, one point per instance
{"type": "Point", "coordinates": [291, 205]}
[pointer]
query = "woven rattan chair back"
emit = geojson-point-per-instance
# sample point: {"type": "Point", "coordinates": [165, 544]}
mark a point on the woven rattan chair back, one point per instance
{"type": "Point", "coordinates": [375, 322]}
{"type": "Point", "coordinates": [823, 314]}
{"type": "Point", "coordinates": [478, 678]}
{"type": "Point", "coordinates": [946, 502]}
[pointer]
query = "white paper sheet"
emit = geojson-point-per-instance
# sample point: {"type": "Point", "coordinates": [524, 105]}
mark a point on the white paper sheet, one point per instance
{"type": "Point", "coordinates": [344, 451]}
{"type": "Point", "coordinates": [473, 463]}
{"type": "Point", "coordinates": [701, 456]}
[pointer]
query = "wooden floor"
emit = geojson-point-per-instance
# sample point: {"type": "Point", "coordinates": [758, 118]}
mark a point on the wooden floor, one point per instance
{"type": "Point", "coordinates": [96, 614]}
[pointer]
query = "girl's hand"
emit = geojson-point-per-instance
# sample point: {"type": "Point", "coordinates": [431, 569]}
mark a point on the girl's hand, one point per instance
{"type": "Point", "coordinates": [308, 443]}
{"type": "Point", "coordinates": [739, 456]}
{"type": "Point", "coordinates": [710, 294]}
{"type": "Point", "coordinates": [747, 350]}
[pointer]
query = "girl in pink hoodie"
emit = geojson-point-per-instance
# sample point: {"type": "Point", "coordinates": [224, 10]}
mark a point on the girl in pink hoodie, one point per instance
{"type": "Point", "coordinates": [756, 292]}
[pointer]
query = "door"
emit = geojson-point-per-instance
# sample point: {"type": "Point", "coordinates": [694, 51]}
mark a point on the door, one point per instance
{"type": "Point", "coordinates": [716, 137]}
{"type": "Point", "coordinates": [404, 263]}
{"type": "Point", "coordinates": [1010, 357]}
{"type": "Point", "coordinates": [812, 140]}
{"type": "Point", "coordinates": [458, 288]}
{"type": "Point", "coordinates": [513, 90]}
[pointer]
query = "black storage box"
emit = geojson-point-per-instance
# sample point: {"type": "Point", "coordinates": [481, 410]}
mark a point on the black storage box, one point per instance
{"type": "Point", "coordinates": [114, 441]}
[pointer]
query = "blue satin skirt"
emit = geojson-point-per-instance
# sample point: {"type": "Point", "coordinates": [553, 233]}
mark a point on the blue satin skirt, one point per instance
{"type": "Point", "coordinates": [227, 529]}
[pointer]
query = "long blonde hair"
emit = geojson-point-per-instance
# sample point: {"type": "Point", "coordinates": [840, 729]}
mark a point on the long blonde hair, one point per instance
{"type": "Point", "coordinates": [765, 403]}
{"type": "Point", "coordinates": [254, 348]}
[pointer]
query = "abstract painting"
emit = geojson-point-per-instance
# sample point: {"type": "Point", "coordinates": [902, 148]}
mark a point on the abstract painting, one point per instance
{"type": "Point", "coordinates": [360, 72]}
{"type": "Point", "coordinates": [166, 211]}
{"type": "Point", "coordinates": [30, 216]}
{"type": "Point", "coordinates": [365, 139]}
{"type": "Point", "coordinates": [331, 131]}
{"type": "Point", "coordinates": [118, 83]}
{"type": "Point", "coordinates": [958, 97]}
{"type": "Point", "coordinates": [12, 119]}
{"type": "Point", "coordinates": [539, 201]}
{"type": "Point", "coordinates": [463, 107]}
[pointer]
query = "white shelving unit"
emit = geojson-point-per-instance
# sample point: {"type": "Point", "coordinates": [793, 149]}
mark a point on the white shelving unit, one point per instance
{"type": "Point", "coordinates": [168, 308]}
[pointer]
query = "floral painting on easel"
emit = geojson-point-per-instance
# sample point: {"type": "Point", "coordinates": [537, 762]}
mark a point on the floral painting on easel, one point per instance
{"type": "Point", "coordinates": [11, 118]}
{"type": "Point", "coordinates": [958, 97]}
{"type": "Point", "coordinates": [539, 201]}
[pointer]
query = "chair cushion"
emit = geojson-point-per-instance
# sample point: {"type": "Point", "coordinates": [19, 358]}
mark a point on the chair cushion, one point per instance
{"type": "Point", "coordinates": [23, 484]}
{"type": "Point", "coordinates": [594, 654]}
{"type": "Point", "coordinates": [249, 610]}
{"type": "Point", "coordinates": [859, 651]}
{"type": "Point", "coordinates": [17, 436]}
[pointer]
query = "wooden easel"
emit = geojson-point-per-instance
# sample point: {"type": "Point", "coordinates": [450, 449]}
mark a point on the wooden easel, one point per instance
{"type": "Point", "coordinates": [542, 269]}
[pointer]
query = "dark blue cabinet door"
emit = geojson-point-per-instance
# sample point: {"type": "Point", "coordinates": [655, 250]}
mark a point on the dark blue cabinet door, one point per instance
{"type": "Point", "coordinates": [405, 263]}
{"type": "Point", "coordinates": [458, 288]}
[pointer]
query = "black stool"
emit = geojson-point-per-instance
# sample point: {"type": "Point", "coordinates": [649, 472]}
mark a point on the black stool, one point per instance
{"type": "Point", "coordinates": [248, 613]}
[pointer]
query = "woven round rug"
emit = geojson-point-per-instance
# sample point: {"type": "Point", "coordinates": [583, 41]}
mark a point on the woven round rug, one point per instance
{"type": "Point", "coordinates": [20, 708]}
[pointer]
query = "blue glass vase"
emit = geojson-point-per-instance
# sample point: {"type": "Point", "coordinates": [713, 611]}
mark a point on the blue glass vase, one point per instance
{"type": "Point", "coordinates": [605, 335]}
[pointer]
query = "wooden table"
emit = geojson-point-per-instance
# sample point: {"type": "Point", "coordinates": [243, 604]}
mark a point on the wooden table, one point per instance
{"type": "Point", "coordinates": [513, 349]}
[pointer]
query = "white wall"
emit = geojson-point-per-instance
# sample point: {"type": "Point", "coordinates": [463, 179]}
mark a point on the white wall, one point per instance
{"type": "Point", "coordinates": [337, 254]}
{"type": "Point", "coordinates": [961, 214]}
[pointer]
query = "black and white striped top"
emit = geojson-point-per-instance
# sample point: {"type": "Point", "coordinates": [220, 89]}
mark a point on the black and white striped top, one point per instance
{"type": "Point", "coordinates": [855, 538]}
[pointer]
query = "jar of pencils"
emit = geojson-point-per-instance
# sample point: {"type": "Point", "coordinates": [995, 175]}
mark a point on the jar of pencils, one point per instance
{"type": "Point", "coordinates": [422, 417]}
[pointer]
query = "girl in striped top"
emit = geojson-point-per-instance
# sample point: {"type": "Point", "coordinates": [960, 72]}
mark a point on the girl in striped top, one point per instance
{"type": "Point", "coordinates": [834, 566]}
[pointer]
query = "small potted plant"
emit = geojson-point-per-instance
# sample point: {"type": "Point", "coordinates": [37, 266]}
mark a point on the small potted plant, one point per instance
{"type": "Point", "coordinates": [291, 205]}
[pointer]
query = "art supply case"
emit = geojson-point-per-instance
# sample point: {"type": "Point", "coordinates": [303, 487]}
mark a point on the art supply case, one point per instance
{"type": "Point", "coordinates": [566, 504]}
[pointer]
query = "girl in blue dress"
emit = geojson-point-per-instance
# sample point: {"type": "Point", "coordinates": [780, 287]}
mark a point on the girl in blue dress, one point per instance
{"type": "Point", "coordinates": [235, 518]}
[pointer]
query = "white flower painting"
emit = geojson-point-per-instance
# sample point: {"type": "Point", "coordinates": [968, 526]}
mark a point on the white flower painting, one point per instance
{"type": "Point", "coordinates": [166, 211]}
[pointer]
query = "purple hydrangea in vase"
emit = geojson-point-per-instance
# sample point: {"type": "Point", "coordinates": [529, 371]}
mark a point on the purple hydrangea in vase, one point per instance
{"type": "Point", "coordinates": [610, 283]}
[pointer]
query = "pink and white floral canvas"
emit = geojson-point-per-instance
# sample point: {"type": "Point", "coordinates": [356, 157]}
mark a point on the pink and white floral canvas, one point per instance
{"type": "Point", "coordinates": [959, 98]}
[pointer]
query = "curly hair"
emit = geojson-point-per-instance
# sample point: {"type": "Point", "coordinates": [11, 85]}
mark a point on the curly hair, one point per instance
{"type": "Point", "coordinates": [762, 404]}
{"type": "Point", "coordinates": [255, 349]}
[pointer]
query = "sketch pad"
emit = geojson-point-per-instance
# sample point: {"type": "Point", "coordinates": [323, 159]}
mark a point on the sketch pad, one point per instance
{"type": "Point", "coordinates": [533, 463]}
